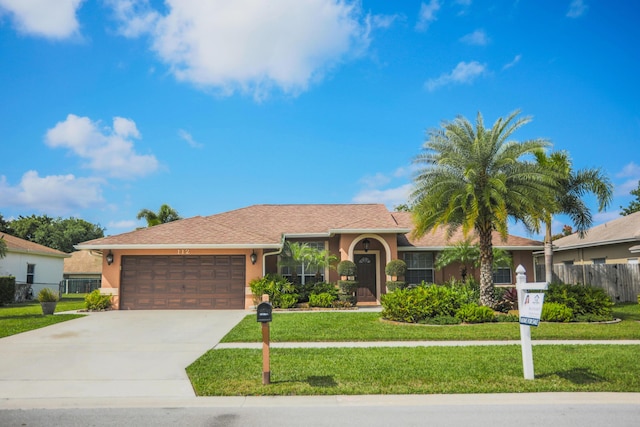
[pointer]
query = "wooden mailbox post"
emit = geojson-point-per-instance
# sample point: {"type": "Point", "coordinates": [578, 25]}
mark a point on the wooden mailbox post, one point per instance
{"type": "Point", "coordinates": [264, 316]}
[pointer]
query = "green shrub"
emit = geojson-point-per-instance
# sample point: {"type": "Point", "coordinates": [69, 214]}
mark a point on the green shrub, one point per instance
{"type": "Point", "coordinates": [95, 301]}
{"type": "Point", "coordinates": [287, 301]}
{"type": "Point", "coordinates": [342, 303]}
{"type": "Point", "coordinates": [473, 313]}
{"type": "Point", "coordinates": [556, 312]}
{"type": "Point", "coordinates": [396, 268]}
{"type": "Point", "coordinates": [347, 300]}
{"type": "Point", "coordinates": [321, 300]}
{"type": "Point", "coordinates": [47, 295]}
{"type": "Point", "coordinates": [502, 317]}
{"type": "Point", "coordinates": [422, 302]}
{"type": "Point", "coordinates": [346, 268]}
{"type": "Point", "coordinates": [276, 287]}
{"type": "Point", "coordinates": [392, 285]}
{"type": "Point", "coordinates": [324, 288]}
{"type": "Point", "coordinates": [348, 286]}
{"type": "Point", "coordinates": [7, 289]}
{"type": "Point", "coordinates": [506, 299]}
{"type": "Point", "coordinates": [582, 300]}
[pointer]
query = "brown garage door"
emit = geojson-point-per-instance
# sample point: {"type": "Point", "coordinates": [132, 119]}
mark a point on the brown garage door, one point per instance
{"type": "Point", "coordinates": [182, 282]}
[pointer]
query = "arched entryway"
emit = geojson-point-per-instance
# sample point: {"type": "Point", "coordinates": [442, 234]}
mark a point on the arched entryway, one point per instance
{"type": "Point", "coordinates": [370, 263]}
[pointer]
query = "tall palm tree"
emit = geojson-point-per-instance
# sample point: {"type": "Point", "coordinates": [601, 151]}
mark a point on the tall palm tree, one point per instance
{"type": "Point", "coordinates": [477, 179]}
{"type": "Point", "coordinates": [571, 186]}
{"type": "Point", "coordinates": [164, 215]}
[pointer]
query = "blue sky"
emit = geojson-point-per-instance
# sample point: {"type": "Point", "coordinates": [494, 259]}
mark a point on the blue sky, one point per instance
{"type": "Point", "coordinates": [111, 106]}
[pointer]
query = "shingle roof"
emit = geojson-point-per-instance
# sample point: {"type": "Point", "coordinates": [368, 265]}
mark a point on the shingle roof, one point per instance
{"type": "Point", "coordinates": [439, 238]}
{"type": "Point", "coordinates": [83, 262]}
{"type": "Point", "coordinates": [16, 244]}
{"type": "Point", "coordinates": [623, 229]}
{"type": "Point", "coordinates": [258, 225]}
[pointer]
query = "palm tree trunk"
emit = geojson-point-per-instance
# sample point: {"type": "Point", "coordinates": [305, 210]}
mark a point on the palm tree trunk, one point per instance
{"type": "Point", "coordinates": [486, 270]}
{"type": "Point", "coordinates": [548, 254]}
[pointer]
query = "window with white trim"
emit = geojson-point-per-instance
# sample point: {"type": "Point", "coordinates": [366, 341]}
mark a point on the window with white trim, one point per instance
{"type": "Point", "coordinates": [419, 267]}
{"type": "Point", "coordinates": [599, 260]}
{"type": "Point", "coordinates": [31, 273]}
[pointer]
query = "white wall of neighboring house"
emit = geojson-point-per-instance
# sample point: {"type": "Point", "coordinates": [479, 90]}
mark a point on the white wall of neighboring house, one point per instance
{"type": "Point", "coordinates": [48, 270]}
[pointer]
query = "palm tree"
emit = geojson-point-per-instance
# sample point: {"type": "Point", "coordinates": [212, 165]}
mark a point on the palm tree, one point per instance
{"type": "Point", "coordinates": [320, 260]}
{"type": "Point", "coordinates": [294, 255]}
{"type": "Point", "coordinates": [571, 186]}
{"type": "Point", "coordinates": [467, 254]}
{"type": "Point", "coordinates": [477, 179]}
{"type": "Point", "coordinates": [462, 252]}
{"type": "Point", "coordinates": [164, 215]}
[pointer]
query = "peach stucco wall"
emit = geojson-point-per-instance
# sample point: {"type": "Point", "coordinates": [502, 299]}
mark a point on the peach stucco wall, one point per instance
{"type": "Point", "coordinates": [111, 273]}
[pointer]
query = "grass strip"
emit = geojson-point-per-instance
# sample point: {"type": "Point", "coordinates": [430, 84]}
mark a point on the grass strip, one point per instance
{"type": "Point", "coordinates": [355, 326]}
{"type": "Point", "coordinates": [23, 317]}
{"type": "Point", "coordinates": [433, 370]}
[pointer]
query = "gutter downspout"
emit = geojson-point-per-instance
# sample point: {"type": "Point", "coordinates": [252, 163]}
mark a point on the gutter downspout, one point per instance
{"type": "Point", "coordinates": [264, 255]}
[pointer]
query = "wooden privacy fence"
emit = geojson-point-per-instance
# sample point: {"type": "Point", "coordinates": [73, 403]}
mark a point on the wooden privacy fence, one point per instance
{"type": "Point", "coordinates": [620, 281]}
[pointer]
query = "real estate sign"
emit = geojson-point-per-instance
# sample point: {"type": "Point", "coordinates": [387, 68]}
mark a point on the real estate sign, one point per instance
{"type": "Point", "coordinates": [531, 309]}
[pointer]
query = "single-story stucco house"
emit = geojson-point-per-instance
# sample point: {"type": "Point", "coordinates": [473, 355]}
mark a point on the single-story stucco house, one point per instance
{"type": "Point", "coordinates": [32, 264]}
{"type": "Point", "coordinates": [207, 262]}
{"type": "Point", "coordinates": [614, 242]}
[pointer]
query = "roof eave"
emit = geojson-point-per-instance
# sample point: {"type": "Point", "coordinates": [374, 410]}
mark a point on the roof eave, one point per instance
{"type": "Point", "coordinates": [181, 246]}
{"type": "Point", "coordinates": [42, 253]}
{"type": "Point", "coordinates": [370, 230]}
{"type": "Point", "coordinates": [592, 244]}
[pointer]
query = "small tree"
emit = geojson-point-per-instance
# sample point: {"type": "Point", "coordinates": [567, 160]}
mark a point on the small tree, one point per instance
{"type": "Point", "coordinates": [3, 247]}
{"type": "Point", "coordinates": [634, 205]}
{"type": "Point", "coordinates": [321, 260]}
{"type": "Point", "coordinates": [347, 269]}
{"type": "Point", "coordinates": [395, 268]}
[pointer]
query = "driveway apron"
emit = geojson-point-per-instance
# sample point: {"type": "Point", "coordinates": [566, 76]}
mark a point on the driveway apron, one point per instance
{"type": "Point", "coordinates": [111, 354]}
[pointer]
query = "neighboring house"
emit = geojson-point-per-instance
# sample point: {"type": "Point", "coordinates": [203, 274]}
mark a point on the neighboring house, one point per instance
{"type": "Point", "coordinates": [82, 272]}
{"type": "Point", "coordinates": [614, 242]}
{"type": "Point", "coordinates": [207, 262]}
{"type": "Point", "coordinates": [33, 264]}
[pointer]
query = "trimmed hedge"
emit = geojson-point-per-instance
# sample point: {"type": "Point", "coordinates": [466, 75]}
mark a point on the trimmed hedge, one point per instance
{"type": "Point", "coordinates": [7, 289]}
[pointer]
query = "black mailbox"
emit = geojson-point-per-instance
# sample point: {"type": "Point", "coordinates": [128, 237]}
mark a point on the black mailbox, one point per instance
{"type": "Point", "coordinates": [264, 312]}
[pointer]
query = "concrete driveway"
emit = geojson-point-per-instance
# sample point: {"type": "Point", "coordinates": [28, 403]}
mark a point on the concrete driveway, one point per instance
{"type": "Point", "coordinates": [111, 354]}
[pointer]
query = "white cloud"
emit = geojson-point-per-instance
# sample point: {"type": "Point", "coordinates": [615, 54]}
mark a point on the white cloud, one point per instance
{"type": "Point", "coordinates": [377, 180]}
{"type": "Point", "coordinates": [122, 225]}
{"type": "Point", "coordinates": [251, 46]}
{"type": "Point", "coordinates": [631, 173]}
{"type": "Point", "coordinates": [46, 18]}
{"type": "Point", "coordinates": [577, 8]}
{"type": "Point", "coordinates": [477, 38]}
{"type": "Point", "coordinates": [427, 14]}
{"type": "Point", "coordinates": [189, 139]}
{"type": "Point", "coordinates": [513, 62]}
{"type": "Point", "coordinates": [464, 72]}
{"type": "Point", "coordinates": [107, 150]}
{"type": "Point", "coordinates": [57, 194]}
{"type": "Point", "coordinates": [390, 197]}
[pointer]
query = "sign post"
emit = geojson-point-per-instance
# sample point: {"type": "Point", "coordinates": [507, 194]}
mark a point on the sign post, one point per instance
{"type": "Point", "coordinates": [264, 316]}
{"type": "Point", "coordinates": [530, 309]}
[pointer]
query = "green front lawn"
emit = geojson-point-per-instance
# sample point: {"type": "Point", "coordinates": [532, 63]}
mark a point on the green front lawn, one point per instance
{"type": "Point", "coordinates": [341, 326]}
{"type": "Point", "coordinates": [425, 370]}
{"type": "Point", "coordinates": [17, 318]}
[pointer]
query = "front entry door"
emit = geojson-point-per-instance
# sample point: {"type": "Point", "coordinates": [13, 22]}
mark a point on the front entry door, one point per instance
{"type": "Point", "coordinates": [366, 264]}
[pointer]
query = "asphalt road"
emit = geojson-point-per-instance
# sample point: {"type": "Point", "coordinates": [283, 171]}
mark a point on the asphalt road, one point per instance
{"type": "Point", "coordinates": [370, 416]}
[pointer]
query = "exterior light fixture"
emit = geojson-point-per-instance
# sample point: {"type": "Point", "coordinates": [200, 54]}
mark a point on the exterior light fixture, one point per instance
{"type": "Point", "coordinates": [253, 257]}
{"type": "Point", "coordinates": [110, 258]}
{"type": "Point", "coordinates": [365, 244]}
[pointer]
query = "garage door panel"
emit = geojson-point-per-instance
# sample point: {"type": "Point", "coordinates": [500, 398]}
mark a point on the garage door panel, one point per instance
{"type": "Point", "coordinates": [183, 282]}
